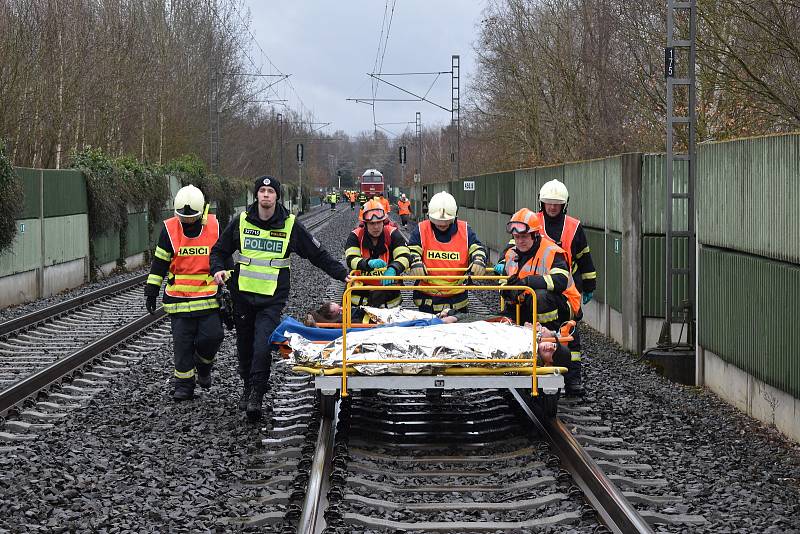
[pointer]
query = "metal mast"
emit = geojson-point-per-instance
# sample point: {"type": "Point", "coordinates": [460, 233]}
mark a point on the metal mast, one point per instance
{"type": "Point", "coordinates": [280, 143]}
{"type": "Point", "coordinates": [213, 110]}
{"type": "Point", "coordinates": [455, 116]}
{"type": "Point", "coordinates": [679, 210]}
{"type": "Point", "coordinates": [419, 145]}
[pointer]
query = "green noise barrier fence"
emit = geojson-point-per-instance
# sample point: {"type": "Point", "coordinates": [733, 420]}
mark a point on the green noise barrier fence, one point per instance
{"type": "Point", "coordinates": [748, 241]}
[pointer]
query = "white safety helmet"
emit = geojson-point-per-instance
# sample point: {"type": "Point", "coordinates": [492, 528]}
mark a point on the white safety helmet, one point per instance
{"type": "Point", "coordinates": [554, 192]}
{"type": "Point", "coordinates": [189, 203]}
{"type": "Point", "coordinates": [442, 207]}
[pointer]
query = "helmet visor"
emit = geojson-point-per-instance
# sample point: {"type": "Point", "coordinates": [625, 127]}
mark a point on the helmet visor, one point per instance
{"type": "Point", "coordinates": [518, 227]}
{"type": "Point", "coordinates": [375, 214]}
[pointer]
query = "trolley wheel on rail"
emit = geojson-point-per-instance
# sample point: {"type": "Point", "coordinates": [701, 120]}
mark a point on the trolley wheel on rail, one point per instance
{"type": "Point", "coordinates": [327, 403]}
{"type": "Point", "coordinates": [543, 406]}
{"type": "Point", "coordinates": [546, 406]}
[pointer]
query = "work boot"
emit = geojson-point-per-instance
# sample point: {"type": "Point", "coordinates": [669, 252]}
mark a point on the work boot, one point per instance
{"type": "Point", "coordinates": [184, 389]}
{"type": "Point", "coordinates": [245, 397]}
{"type": "Point", "coordinates": [574, 389]}
{"type": "Point", "coordinates": [254, 403]}
{"type": "Point", "coordinates": [204, 379]}
{"type": "Point", "coordinates": [573, 382]}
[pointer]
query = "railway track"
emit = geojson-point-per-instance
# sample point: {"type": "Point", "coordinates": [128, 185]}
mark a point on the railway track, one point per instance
{"type": "Point", "coordinates": [47, 347]}
{"type": "Point", "coordinates": [466, 461]}
{"type": "Point", "coordinates": [474, 461]}
{"type": "Point", "coordinates": [41, 349]}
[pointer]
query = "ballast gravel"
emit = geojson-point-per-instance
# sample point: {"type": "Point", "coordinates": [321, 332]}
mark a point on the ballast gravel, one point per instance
{"type": "Point", "coordinates": [738, 473]}
{"type": "Point", "coordinates": [135, 460]}
{"type": "Point", "coordinates": [741, 475]}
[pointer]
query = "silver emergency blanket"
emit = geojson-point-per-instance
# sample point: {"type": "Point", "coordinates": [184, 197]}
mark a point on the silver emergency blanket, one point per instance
{"type": "Point", "coordinates": [395, 315]}
{"type": "Point", "coordinates": [478, 340]}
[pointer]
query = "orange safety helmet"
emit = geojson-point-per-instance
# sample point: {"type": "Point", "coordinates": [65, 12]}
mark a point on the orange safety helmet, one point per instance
{"type": "Point", "coordinates": [524, 221]}
{"type": "Point", "coordinates": [373, 211]}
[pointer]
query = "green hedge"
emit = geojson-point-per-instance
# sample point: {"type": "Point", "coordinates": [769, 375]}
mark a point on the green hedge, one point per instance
{"type": "Point", "coordinates": [11, 200]}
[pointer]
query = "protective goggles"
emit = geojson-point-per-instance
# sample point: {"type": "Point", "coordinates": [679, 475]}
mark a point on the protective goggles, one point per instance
{"type": "Point", "coordinates": [518, 227]}
{"type": "Point", "coordinates": [374, 214]}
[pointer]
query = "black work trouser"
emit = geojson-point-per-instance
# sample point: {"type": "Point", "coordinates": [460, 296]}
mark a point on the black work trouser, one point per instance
{"type": "Point", "coordinates": [352, 206]}
{"type": "Point", "coordinates": [254, 326]}
{"type": "Point", "coordinates": [428, 303]}
{"type": "Point", "coordinates": [404, 219]}
{"type": "Point", "coordinates": [196, 340]}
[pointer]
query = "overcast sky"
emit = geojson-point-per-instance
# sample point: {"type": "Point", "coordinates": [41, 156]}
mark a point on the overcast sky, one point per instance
{"type": "Point", "coordinates": [328, 46]}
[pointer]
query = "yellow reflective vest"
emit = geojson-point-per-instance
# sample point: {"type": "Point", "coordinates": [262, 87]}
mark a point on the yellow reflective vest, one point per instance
{"type": "Point", "coordinates": [261, 255]}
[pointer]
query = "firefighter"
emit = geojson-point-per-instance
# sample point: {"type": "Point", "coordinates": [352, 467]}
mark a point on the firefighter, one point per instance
{"type": "Point", "coordinates": [384, 202]}
{"type": "Point", "coordinates": [351, 196]}
{"type": "Point", "coordinates": [566, 232]}
{"type": "Point", "coordinates": [403, 209]}
{"type": "Point", "coordinates": [362, 198]}
{"type": "Point", "coordinates": [537, 262]}
{"type": "Point", "coordinates": [444, 241]}
{"type": "Point", "coordinates": [260, 241]}
{"type": "Point", "coordinates": [377, 248]}
{"type": "Point", "coordinates": [182, 254]}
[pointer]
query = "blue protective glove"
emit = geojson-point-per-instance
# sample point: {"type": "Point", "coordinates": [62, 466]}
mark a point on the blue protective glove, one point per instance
{"type": "Point", "coordinates": [498, 268]}
{"type": "Point", "coordinates": [389, 272]}
{"type": "Point", "coordinates": [376, 264]}
{"type": "Point", "coordinates": [587, 296]}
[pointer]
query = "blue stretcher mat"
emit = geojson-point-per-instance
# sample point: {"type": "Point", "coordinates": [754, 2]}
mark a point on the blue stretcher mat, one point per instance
{"type": "Point", "coordinates": [329, 334]}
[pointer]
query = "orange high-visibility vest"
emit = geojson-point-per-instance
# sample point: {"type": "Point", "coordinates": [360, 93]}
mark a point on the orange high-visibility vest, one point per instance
{"type": "Point", "coordinates": [403, 207]}
{"type": "Point", "coordinates": [454, 254]}
{"type": "Point", "coordinates": [541, 264]}
{"type": "Point", "coordinates": [386, 206]}
{"type": "Point", "coordinates": [190, 268]}
{"type": "Point", "coordinates": [567, 235]}
{"type": "Point", "coordinates": [364, 239]}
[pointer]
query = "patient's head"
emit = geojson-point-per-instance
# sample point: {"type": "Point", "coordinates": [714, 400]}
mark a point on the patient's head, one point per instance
{"type": "Point", "coordinates": [328, 312]}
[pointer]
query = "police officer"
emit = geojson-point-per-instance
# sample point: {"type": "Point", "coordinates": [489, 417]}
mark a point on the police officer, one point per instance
{"type": "Point", "coordinates": [182, 254]}
{"type": "Point", "coordinates": [537, 262]}
{"type": "Point", "coordinates": [444, 241]}
{"type": "Point", "coordinates": [332, 201]}
{"type": "Point", "coordinates": [260, 241]}
{"type": "Point", "coordinates": [377, 248]}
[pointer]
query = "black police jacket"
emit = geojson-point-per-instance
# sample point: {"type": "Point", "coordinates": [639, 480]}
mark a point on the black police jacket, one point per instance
{"type": "Point", "coordinates": [301, 242]}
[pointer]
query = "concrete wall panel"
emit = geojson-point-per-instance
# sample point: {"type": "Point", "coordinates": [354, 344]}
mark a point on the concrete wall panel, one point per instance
{"type": "Point", "coordinates": [63, 276]}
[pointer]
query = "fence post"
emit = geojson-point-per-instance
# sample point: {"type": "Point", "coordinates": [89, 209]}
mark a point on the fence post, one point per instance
{"type": "Point", "coordinates": [40, 270]}
{"type": "Point", "coordinates": [632, 333]}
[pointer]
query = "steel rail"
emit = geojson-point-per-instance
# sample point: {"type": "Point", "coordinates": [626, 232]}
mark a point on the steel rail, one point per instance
{"type": "Point", "coordinates": [22, 390]}
{"type": "Point", "coordinates": [312, 504]}
{"type": "Point", "coordinates": [44, 314]}
{"type": "Point", "coordinates": [615, 511]}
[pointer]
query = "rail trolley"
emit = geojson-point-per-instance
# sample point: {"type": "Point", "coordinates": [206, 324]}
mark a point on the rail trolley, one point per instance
{"type": "Point", "coordinates": [519, 370]}
{"type": "Point", "coordinates": [371, 182]}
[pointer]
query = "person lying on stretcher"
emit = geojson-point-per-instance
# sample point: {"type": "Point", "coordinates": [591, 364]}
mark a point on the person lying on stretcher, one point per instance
{"type": "Point", "coordinates": [551, 353]}
{"type": "Point", "coordinates": [331, 312]}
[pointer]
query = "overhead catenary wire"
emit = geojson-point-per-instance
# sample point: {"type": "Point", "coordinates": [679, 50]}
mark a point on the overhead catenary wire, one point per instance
{"type": "Point", "coordinates": [272, 64]}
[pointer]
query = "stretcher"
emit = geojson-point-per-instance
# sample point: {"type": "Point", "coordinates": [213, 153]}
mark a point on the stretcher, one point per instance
{"type": "Point", "coordinates": [431, 356]}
